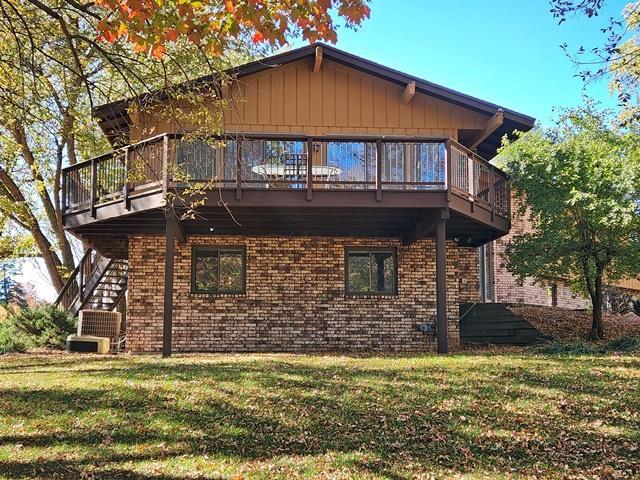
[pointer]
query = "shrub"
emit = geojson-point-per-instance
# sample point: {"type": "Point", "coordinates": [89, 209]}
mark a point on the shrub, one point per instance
{"type": "Point", "coordinates": [11, 340]}
{"type": "Point", "coordinates": [46, 326]}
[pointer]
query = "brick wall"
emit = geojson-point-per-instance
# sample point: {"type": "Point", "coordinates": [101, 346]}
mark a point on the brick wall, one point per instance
{"type": "Point", "coordinates": [507, 288]}
{"type": "Point", "coordinates": [295, 298]}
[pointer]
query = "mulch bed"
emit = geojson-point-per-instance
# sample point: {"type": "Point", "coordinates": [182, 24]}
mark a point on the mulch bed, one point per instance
{"type": "Point", "coordinates": [565, 324]}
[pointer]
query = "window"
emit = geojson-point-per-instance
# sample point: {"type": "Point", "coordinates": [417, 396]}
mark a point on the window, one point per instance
{"type": "Point", "coordinates": [371, 271]}
{"type": "Point", "coordinates": [218, 270]}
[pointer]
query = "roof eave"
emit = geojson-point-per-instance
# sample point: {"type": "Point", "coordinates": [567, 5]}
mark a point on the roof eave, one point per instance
{"type": "Point", "coordinates": [524, 122]}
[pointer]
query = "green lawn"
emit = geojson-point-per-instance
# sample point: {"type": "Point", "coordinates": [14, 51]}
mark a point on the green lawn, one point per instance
{"type": "Point", "coordinates": [301, 416]}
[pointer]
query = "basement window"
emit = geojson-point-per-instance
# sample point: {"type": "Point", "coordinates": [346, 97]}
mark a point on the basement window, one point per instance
{"type": "Point", "coordinates": [218, 270]}
{"type": "Point", "coordinates": [371, 271]}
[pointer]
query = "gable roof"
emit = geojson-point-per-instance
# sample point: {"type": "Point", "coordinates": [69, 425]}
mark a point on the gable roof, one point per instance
{"type": "Point", "coordinates": [114, 116]}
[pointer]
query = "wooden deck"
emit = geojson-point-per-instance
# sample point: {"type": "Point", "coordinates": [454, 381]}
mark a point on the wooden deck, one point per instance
{"type": "Point", "coordinates": [293, 185]}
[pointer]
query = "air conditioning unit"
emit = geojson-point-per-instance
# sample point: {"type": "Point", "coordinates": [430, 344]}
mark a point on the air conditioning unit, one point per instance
{"type": "Point", "coordinates": [100, 323]}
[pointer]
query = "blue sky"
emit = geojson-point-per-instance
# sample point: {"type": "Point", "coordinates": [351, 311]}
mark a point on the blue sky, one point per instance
{"type": "Point", "coordinates": [506, 52]}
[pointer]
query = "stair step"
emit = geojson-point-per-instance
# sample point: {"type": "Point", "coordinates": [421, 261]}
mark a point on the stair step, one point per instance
{"type": "Point", "coordinates": [493, 323]}
{"type": "Point", "coordinates": [493, 320]}
{"type": "Point", "coordinates": [496, 328]}
{"type": "Point", "coordinates": [502, 341]}
{"type": "Point", "coordinates": [487, 313]}
{"type": "Point", "coordinates": [500, 333]}
{"type": "Point", "coordinates": [480, 313]}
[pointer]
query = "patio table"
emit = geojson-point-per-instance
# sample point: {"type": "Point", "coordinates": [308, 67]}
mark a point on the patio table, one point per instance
{"type": "Point", "coordinates": [279, 171]}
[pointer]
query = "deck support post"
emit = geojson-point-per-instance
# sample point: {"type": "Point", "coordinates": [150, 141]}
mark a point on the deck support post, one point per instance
{"type": "Point", "coordinates": [379, 152]}
{"type": "Point", "coordinates": [310, 168]}
{"type": "Point", "coordinates": [65, 186]}
{"type": "Point", "coordinates": [239, 169]}
{"type": "Point", "coordinates": [492, 191]}
{"type": "Point", "coordinates": [94, 188]}
{"type": "Point", "coordinates": [127, 186]}
{"type": "Point", "coordinates": [441, 281]}
{"type": "Point", "coordinates": [167, 323]}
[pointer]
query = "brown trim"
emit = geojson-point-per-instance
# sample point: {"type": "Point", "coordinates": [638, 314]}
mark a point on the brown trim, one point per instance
{"type": "Point", "coordinates": [127, 183]}
{"type": "Point", "coordinates": [218, 248]}
{"type": "Point", "coordinates": [371, 249]}
{"type": "Point", "coordinates": [94, 187]}
{"type": "Point", "coordinates": [239, 136]}
{"type": "Point", "coordinates": [317, 63]}
{"type": "Point", "coordinates": [441, 283]}
{"type": "Point", "coordinates": [421, 230]}
{"type": "Point", "coordinates": [238, 143]}
{"type": "Point", "coordinates": [167, 316]}
{"type": "Point", "coordinates": [178, 228]}
{"type": "Point", "coordinates": [310, 154]}
{"type": "Point", "coordinates": [379, 170]}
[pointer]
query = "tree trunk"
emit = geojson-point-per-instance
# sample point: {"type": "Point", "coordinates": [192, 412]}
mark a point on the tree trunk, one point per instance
{"type": "Point", "coordinates": [29, 222]}
{"type": "Point", "coordinates": [54, 217]}
{"type": "Point", "coordinates": [597, 328]}
{"type": "Point", "coordinates": [51, 260]}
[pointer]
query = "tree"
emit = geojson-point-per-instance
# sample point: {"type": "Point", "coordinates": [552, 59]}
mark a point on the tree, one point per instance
{"type": "Point", "coordinates": [58, 59]}
{"type": "Point", "coordinates": [212, 24]}
{"type": "Point", "coordinates": [11, 291]}
{"type": "Point", "coordinates": [580, 183]}
{"type": "Point", "coordinates": [616, 58]}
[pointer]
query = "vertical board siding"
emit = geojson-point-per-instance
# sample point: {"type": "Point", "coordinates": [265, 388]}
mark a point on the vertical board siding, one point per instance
{"type": "Point", "coordinates": [355, 100]}
{"type": "Point", "coordinates": [341, 96]}
{"type": "Point", "coordinates": [336, 100]}
{"type": "Point", "coordinates": [315, 99]}
{"type": "Point", "coordinates": [328, 96]}
{"type": "Point", "coordinates": [630, 284]}
{"type": "Point", "coordinates": [277, 97]}
{"type": "Point", "coordinates": [251, 102]}
{"type": "Point", "coordinates": [302, 96]}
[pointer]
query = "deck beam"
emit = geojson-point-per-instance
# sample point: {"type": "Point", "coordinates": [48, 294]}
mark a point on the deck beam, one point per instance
{"type": "Point", "coordinates": [408, 92]}
{"type": "Point", "coordinates": [317, 61]}
{"type": "Point", "coordinates": [493, 123]}
{"type": "Point", "coordinates": [421, 229]}
{"type": "Point", "coordinates": [178, 228]}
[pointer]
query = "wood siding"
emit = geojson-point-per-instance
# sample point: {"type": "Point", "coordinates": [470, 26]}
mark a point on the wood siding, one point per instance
{"type": "Point", "coordinates": [630, 284]}
{"type": "Point", "coordinates": [335, 100]}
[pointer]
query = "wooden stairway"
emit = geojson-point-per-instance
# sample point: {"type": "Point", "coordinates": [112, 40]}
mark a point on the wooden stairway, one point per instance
{"type": "Point", "coordinates": [97, 283]}
{"type": "Point", "coordinates": [493, 323]}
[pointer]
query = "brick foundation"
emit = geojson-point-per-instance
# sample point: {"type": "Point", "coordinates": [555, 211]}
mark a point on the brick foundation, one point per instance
{"type": "Point", "coordinates": [295, 298]}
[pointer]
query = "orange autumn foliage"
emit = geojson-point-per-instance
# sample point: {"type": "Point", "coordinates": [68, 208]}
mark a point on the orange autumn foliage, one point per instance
{"type": "Point", "coordinates": [211, 24]}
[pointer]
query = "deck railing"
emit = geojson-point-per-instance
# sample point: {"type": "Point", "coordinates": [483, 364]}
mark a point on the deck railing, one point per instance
{"type": "Point", "coordinates": [279, 162]}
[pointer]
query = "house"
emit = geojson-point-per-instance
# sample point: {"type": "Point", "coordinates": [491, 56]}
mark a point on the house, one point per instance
{"type": "Point", "coordinates": [498, 285]}
{"type": "Point", "coordinates": [354, 198]}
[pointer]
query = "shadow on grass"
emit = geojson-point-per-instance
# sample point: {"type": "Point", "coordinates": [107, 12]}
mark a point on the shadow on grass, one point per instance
{"type": "Point", "coordinates": [436, 417]}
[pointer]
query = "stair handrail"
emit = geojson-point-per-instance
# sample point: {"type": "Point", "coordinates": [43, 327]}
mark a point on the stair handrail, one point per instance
{"type": "Point", "coordinates": [77, 278]}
